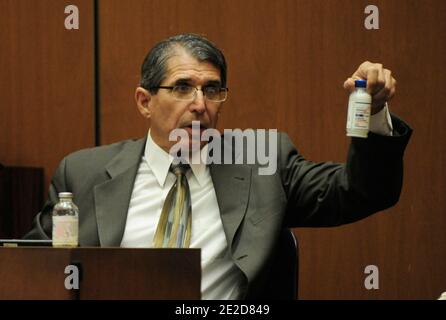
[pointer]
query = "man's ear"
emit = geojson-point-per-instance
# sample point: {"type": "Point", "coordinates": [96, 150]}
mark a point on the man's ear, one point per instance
{"type": "Point", "coordinates": [142, 98]}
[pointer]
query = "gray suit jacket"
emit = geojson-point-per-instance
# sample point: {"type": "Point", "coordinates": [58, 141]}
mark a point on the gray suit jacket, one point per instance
{"type": "Point", "coordinates": [254, 208]}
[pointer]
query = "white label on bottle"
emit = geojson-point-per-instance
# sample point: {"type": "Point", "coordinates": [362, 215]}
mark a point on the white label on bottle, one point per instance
{"type": "Point", "coordinates": [361, 117]}
{"type": "Point", "coordinates": [358, 116]}
{"type": "Point", "coordinates": [65, 231]}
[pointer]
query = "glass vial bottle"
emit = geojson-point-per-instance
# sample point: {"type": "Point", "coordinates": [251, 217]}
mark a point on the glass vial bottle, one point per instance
{"type": "Point", "coordinates": [359, 107]}
{"type": "Point", "coordinates": [65, 221]}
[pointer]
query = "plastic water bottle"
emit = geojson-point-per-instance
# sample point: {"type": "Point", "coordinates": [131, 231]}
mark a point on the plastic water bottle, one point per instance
{"type": "Point", "coordinates": [359, 108]}
{"type": "Point", "coordinates": [65, 222]}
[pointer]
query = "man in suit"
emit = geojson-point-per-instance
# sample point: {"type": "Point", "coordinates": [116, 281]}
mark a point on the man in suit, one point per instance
{"type": "Point", "coordinates": [238, 215]}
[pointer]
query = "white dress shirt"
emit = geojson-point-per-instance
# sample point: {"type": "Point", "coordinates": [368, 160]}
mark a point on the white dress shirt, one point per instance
{"type": "Point", "coordinates": [221, 279]}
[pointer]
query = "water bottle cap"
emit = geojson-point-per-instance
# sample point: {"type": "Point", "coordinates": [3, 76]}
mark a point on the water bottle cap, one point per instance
{"type": "Point", "coordinates": [65, 195]}
{"type": "Point", "coordinates": [361, 83]}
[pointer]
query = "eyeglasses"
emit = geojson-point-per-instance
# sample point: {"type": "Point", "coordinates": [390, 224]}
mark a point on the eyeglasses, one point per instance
{"type": "Point", "coordinates": [188, 93]}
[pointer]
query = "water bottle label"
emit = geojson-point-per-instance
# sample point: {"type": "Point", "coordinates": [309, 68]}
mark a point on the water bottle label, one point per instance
{"type": "Point", "coordinates": [65, 231]}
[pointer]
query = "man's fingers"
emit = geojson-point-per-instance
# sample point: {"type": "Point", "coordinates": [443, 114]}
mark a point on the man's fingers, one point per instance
{"type": "Point", "coordinates": [372, 72]}
{"type": "Point", "coordinates": [388, 90]}
{"type": "Point", "coordinates": [392, 93]}
{"type": "Point", "coordinates": [372, 78]}
{"type": "Point", "coordinates": [376, 79]}
{"type": "Point", "coordinates": [380, 83]}
{"type": "Point", "coordinates": [361, 72]}
{"type": "Point", "coordinates": [382, 94]}
{"type": "Point", "coordinates": [349, 84]}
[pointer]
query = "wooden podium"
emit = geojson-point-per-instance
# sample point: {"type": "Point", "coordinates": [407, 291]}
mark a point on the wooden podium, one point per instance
{"type": "Point", "coordinates": [105, 273]}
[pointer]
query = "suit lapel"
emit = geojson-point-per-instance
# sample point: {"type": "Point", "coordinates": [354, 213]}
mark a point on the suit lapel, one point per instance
{"type": "Point", "coordinates": [112, 197]}
{"type": "Point", "coordinates": [231, 183]}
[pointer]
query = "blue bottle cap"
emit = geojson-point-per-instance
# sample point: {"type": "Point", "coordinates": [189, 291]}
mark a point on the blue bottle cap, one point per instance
{"type": "Point", "coordinates": [360, 83]}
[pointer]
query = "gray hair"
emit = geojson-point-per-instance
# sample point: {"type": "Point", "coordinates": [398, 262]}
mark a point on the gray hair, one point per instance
{"type": "Point", "coordinates": [153, 69]}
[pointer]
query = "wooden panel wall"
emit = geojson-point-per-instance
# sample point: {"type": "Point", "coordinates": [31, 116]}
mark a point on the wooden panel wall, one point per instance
{"type": "Point", "coordinates": [46, 83]}
{"type": "Point", "coordinates": [407, 242]}
{"type": "Point", "coordinates": [287, 63]}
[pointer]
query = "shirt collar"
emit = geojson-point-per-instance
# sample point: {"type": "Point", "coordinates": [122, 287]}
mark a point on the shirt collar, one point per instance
{"type": "Point", "coordinates": [159, 162]}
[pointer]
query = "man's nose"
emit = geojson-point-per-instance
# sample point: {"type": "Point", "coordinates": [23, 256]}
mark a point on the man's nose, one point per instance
{"type": "Point", "coordinates": [199, 102]}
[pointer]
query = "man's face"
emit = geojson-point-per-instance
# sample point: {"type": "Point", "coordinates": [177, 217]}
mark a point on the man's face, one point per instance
{"type": "Point", "coordinates": [166, 113]}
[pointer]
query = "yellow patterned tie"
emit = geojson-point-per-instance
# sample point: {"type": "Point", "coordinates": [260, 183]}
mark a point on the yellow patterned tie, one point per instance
{"type": "Point", "coordinates": [175, 224]}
